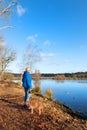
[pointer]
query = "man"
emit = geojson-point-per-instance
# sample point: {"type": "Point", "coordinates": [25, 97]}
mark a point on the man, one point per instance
{"type": "Point", "coordinates": [26, 83]}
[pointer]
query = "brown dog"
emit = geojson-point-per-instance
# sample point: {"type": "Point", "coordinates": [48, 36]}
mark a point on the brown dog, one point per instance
{"type": "Point", "coordinates": [34, 104]}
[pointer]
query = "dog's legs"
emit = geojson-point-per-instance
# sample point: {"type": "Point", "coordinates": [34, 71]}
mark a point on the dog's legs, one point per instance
{"type": "Point", "coordinates": [39, 111]}
{"type": "Point", "coordinates": [42, 108]}
{"type": "Point", "coordinates": [31, 110]}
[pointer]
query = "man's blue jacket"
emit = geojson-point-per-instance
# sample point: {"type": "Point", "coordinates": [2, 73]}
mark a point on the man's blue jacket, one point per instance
{"type": "Point", "coordinates": [26, 80]}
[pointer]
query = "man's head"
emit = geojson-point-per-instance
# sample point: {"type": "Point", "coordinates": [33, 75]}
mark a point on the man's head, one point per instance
{"type": "Point", "coordinates": [27, 69]}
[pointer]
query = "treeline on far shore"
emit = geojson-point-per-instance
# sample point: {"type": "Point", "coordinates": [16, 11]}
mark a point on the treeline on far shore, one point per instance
{"type": "Point", "coordinates": [67, 76]}
{"type": "Point", "coordinates": [58, 76]}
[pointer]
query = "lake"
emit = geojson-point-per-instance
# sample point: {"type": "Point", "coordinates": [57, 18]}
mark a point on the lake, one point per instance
{"type": "Point", "coordinates": [72, 93]}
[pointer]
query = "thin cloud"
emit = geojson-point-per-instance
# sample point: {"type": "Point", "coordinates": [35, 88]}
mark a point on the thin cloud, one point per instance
{"type": "Point", "coordinates": [20, 10]}
{"type": "Point", "coordinates": [47, 42]}
{"type": "Point", "coordinates": [32, 38]}
{"type": "Point", "coordinates": [46, 56]}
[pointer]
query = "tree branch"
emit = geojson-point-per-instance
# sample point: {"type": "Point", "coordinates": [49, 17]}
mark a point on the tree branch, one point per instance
{"type": "Point", "coordinates": [7, 8]}
{"type": "Point", "coordinates": [3, 27]}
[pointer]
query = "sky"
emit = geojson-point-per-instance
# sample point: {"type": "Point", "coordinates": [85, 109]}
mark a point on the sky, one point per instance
{"type": "Point", "coordinates": [57, 27]}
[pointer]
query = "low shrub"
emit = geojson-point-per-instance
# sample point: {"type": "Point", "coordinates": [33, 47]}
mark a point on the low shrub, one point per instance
{"type": "Point", "coordinates": [48, 93]}
{"type": "Point", "coordinates": [37, 89]}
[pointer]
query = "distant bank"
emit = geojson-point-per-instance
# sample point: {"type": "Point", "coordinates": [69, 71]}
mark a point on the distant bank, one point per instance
{"type": "Point", "coordinates": [58, 76]}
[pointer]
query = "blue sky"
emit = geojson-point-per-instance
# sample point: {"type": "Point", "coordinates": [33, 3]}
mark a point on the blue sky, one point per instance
{"type": "Point", "coordinates": [58, 27]}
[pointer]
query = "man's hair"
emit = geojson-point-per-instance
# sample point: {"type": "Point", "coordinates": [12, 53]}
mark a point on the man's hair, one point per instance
{"type": "Point", "coordinates": [27, 69]}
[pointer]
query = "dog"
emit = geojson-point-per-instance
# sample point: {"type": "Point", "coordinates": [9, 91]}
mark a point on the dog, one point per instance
{"type": "Point", "coordinates": [35, 104]}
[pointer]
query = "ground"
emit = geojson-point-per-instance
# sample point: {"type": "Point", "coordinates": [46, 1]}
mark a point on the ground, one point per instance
{"type": "Point", "coordinates": [13, 116]}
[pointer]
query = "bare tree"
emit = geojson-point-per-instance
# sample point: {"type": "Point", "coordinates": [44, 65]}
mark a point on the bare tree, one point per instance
{"type": "Point", "coordinates": [7, 55]}
{"type": "Point", "coordinates": [6, 9]}
{"type": "Point", "coordinates": [31, 56]}
{"type": "Point", "coordinates": [36, 76]}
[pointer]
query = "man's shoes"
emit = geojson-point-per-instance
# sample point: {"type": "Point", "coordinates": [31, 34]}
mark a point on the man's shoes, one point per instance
{"type": "Point", "coordinates": [25, 106]}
